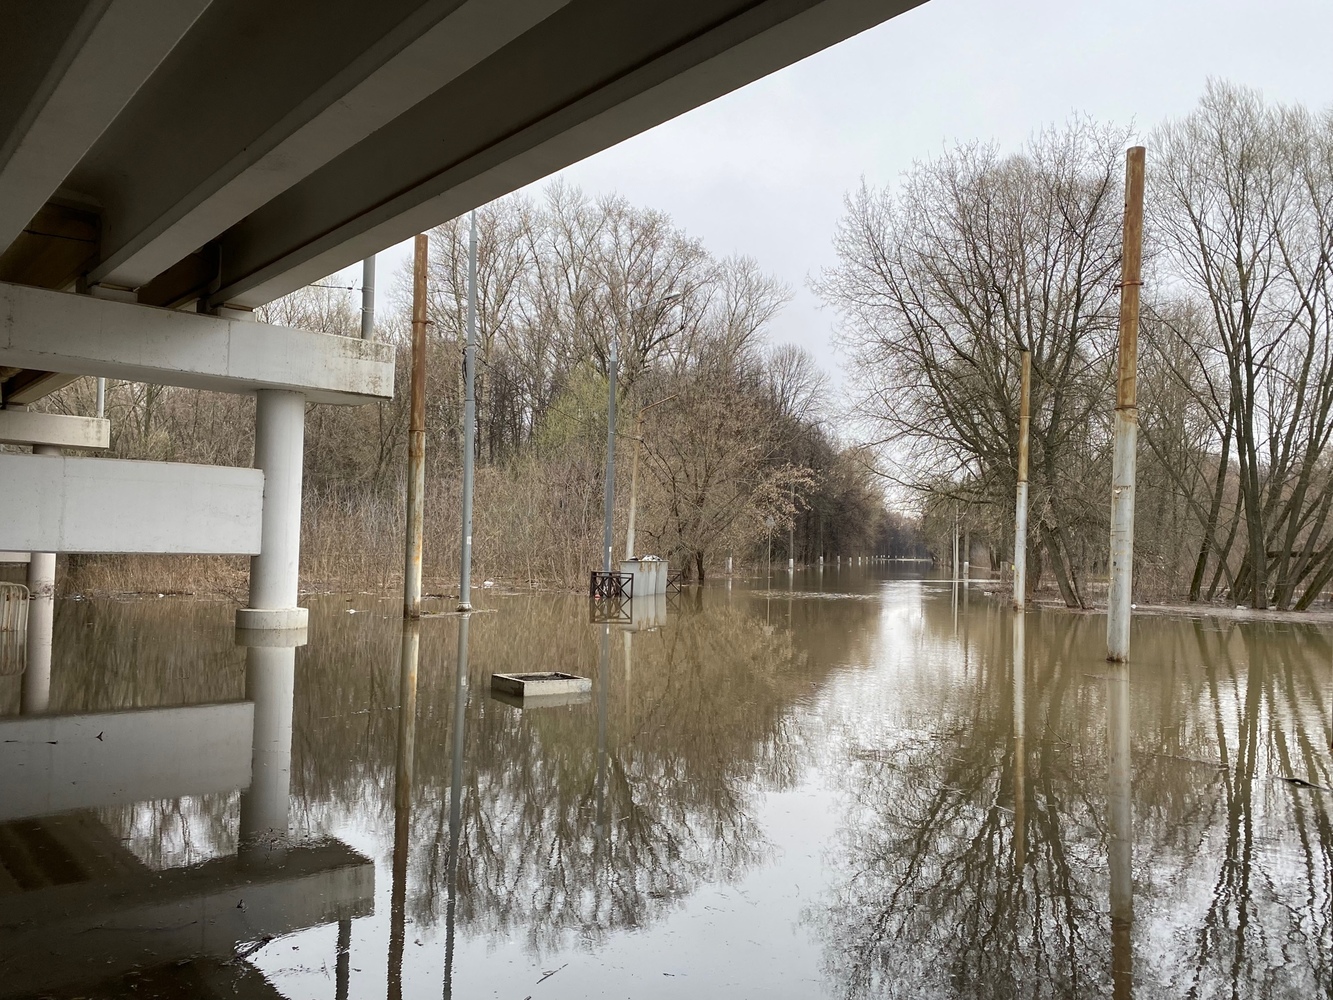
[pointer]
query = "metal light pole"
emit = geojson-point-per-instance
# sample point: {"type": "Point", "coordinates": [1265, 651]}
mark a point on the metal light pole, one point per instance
{"type": "Point", "coordinates": [610, 500]}
{"type": "Point", "coordinates": [1021, 501]}
{"type": "Point", "coordinates": [416, 439]}
{"type": "Point", "coordinates": [368, 298]}
{"type": "Point", "coordinates": [791, 532]}
{"type": "Point", "coordinates": [634, 475]}
{"type": "Point", "coordinates": [1123, 471]}
{"type": "Point", "coordinates": [469, 423]}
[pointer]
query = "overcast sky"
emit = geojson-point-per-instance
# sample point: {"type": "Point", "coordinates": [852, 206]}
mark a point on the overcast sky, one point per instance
{"type": "Point", "coordinates": [763, 171]}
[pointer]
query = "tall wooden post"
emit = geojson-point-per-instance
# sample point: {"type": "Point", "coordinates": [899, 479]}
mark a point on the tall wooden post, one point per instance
{"type": "Point", "coordinates": [1123, 471]}
{"type": "Point", "coordinates": [416, 439]}
{"type": "Point", "coordinates": [1021, 500]}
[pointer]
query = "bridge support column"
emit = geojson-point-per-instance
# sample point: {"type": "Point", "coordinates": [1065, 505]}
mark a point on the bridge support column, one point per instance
{"type": "Point", "coordinates": [279, 446]}
{"type": "Point", "coordinates": [35, 694]}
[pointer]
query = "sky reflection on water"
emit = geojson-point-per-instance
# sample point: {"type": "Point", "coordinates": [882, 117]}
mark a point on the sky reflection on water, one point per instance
{"type": "Point", "coordinates": [838, 785]}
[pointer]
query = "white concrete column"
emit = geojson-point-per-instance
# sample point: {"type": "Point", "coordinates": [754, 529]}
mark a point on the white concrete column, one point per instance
{"type": "Point", "coordinates": [279, 448]}
{"type": "Point", "coordinates": [35, 695]}
{"type": "Point", "coordinates": [270, 682]}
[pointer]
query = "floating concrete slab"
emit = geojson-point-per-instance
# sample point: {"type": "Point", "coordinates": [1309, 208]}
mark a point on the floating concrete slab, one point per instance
{"type": "Point", "coordinates": [56, 504]}
{"type": "Point", "coordinates": [547, 684]}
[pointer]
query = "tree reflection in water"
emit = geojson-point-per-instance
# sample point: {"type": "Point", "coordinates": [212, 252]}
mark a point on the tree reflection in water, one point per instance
{"type": "Point", "coordinates": [967, 870]}
{"type": "Point", "coordinates": [578, 823]}
{"type": "Point", "coordinates": [1064, 829]}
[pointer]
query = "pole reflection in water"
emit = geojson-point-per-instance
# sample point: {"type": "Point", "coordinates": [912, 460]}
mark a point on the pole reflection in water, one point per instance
{"type": "Point", "coordinates": [270, 682]}
{"type": "Point", "coordinates": [402, 800]}
{"type": "Point", "coordinates": [603, 678]}
{"type": "Point", "coordinates": [343, 972]}
{"type": "Point", "coordinates": [35, 687]}
{"type": "Point", "coordinates": [1121, 831]}
{"type": "Point", "coordinates": [1020, 737]}
{"type": "Point", "coordinates": [455, 802]}
{"type": "Point", "coordinates": [629, 666]}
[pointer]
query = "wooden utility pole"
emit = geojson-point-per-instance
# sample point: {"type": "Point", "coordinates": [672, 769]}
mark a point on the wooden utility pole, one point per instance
{"type": "Point", "coordinates": [1123, 470]}
{"type": "Point", "coordinates": [1021, 501]}
{"type": "Point", "coordinates": [416, 438]}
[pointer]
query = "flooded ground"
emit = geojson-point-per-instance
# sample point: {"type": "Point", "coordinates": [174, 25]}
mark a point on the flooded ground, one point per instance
{"type": "Point", "coordinates": [835, 786]}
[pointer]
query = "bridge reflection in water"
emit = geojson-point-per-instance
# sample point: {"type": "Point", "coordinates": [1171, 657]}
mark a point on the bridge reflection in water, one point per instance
{"type": "Point", "coordinates": [834, 787]}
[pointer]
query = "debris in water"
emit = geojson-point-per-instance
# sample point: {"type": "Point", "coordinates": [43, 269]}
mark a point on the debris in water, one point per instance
{"type": "Point", "coordinates": [1302, 783]}
{"type": "Point", "coordinates": [548, 975]}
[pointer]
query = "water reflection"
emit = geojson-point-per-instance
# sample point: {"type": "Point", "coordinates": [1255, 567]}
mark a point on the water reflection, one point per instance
{"type": "Point", "coordinates": [404, 760]}
{"type": "Point", "coordinates": [457, 749]}
{"type": "Point", "coordinates": [890, 787]}
{"type": "Point", "coordinates": [939, 890]}
{"type": "Point", "coordinates": [86, 912]}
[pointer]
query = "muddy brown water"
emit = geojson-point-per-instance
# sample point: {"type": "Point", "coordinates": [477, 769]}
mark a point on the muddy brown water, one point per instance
{"type": "Point", "coordinates": [835, 785]}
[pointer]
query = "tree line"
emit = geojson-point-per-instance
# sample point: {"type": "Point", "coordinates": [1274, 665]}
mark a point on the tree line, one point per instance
{"type": "Point", "coordinates": [734, 452]}
{"type": "Point", "coordinates": [976, 255]}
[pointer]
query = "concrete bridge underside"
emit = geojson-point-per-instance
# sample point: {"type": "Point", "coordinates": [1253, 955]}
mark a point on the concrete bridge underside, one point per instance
{"type": "Point", "coordinates": [168, 165]}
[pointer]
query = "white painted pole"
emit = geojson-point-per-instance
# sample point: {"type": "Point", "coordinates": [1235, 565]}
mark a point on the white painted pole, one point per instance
{"type": "Point", "coordinates": [101, 398]}
{"type": "Point", "coordinates": [791, 534]}
{"type": "Point", "coordinates": [1123, 467]}
{"type": "Point", "coordinates": [955, 544]}
{"type": "Point", "coordinates": [469, 422]}
{"type": "Point", "coordinates": [274, 573]}
{"type": "Point", "coordinates": [1021, 500]}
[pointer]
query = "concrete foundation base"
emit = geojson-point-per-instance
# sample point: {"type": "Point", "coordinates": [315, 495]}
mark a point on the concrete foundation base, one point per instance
{"type": "Point", "coordinates": [281, 620]}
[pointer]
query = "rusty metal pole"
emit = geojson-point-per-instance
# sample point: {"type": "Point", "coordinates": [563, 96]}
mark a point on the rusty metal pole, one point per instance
{"type": "Point", "coordinates": [1123, 470]}
{"type": "Point", "coordinates": [1021, 501]}
{"type": "Point", "coordinates": [416, 438]}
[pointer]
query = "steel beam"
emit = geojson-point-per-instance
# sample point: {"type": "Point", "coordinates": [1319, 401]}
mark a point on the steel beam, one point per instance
{"type": "Point", "coordinates": [587, 77]}
{"type": "Point", "coordinates": [53, 504]}
{"type": "Point", "coordinates": [67, 69]}
{"type": "Point", "coordinates": [59, 430]}
{"type": "Point", "coordinates": [262, 97]}
{"type": "Point", "coordinates": [85, 335]}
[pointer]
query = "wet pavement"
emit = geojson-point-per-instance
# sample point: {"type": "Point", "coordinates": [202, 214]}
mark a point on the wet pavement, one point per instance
{"type": "Point", "coordinates": [836, 785]}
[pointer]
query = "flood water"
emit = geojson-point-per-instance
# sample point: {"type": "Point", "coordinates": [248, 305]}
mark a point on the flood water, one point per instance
{"type": "Point", "coordinates": [837, 785]}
